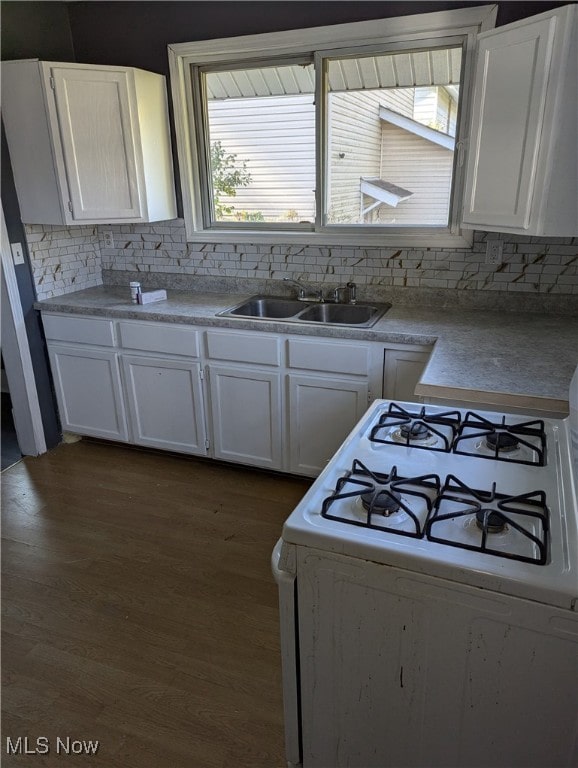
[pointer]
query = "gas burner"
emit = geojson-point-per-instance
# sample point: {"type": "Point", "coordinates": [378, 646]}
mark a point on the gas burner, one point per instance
{"type": "Point", "coordinates": [489, 520]}
{"type": "Point", "coordinates": [416, 436]}
{"type": "Point", "coordinates": [503, 441]}
{"type": "Point", "coordinates": [416, 429]}
{"type": "Point", "coordinates": [514, 527]}
{"type": "Point", "coordinates": [380, 501]}
{"type": "Point", "coordinates": [519, 443]}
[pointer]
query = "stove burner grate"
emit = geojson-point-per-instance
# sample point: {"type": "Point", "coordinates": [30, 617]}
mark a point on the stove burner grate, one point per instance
{"type": "Point", "coordinates": [505, 512]}
{"type": "Point", "coordinates": [502, 440]}
{"type": "Point", "coordinates": [379, 491]}
{"type": "Point", "coordinates": [414, 427]}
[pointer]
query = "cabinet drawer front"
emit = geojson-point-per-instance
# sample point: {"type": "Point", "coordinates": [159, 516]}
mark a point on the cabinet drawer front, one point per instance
{"type": "Point", "coordinates": [331, 356]}
{"type": "Point", "coordinates": [168, 339]}
{"type": "Point", "coordinates": [82, 330]}
{"type": "Point", "coordinates": [243, 347]}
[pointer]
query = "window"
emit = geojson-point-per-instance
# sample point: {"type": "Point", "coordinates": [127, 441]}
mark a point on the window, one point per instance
{"type": "Point", "coordinates": [260, 140]}
{"type": "Point", "coordinates": [333, 135]}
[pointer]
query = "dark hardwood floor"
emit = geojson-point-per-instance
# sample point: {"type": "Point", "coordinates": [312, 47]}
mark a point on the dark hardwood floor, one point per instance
{"type": "Point", "coordinates": [139, 609]}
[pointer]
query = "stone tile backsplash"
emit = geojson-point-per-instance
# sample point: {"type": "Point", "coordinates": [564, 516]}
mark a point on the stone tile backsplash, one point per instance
{"type": "Point", "coordinates": [65, 260]}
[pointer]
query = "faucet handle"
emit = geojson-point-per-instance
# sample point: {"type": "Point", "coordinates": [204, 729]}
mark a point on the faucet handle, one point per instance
{"type": "Point", "coordinates": [352, 292]}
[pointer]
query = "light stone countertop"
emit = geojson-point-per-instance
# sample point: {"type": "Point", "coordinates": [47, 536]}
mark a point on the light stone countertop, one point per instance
{"type": "Point", "coordinates": [513, 359]}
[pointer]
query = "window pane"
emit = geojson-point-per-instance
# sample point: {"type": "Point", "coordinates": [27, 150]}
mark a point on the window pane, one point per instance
{"type": "Point", "coordinates": [391, 135]}
{"type": "Point", "coordinates": [262, 139]}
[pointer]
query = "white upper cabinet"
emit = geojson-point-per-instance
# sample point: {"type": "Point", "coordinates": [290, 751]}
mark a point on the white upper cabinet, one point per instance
{"type": "Point", "coordinates": [522, 165]}
{"type": "Point", "coordinates": [88, 144]}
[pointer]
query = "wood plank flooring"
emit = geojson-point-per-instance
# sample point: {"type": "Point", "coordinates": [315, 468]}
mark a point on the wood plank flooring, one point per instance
{"type": "Point", "coordinates": [139, 609]}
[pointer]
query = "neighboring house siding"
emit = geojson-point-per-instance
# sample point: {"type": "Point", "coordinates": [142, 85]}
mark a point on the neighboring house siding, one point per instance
{"type": "Point", "coordinates": [421, 167]}
{"type": "Point", "coordinates": [356, 134]}
{"type": "Point", "coordinates": [425, 105]}
{"type": "Point", "coordinates": [435, 108]}
{"type": "Point", "coordinates": [276, 138]}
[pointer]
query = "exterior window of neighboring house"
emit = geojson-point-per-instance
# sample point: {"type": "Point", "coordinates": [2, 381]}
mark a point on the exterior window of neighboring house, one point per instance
{"type": "Point", "coordinates": [344, 134]}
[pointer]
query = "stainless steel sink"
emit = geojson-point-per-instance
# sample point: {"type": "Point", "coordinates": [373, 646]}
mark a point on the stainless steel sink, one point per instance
{"type": "Point", "coordinates": [294, 311]}
{"type": "Point", "coordinates": [341, 314]}
{"type": "Point", "coordinates": [266, 307]}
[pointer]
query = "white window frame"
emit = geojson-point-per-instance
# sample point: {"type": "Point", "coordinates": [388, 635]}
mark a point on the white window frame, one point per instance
{"type": "Point", "coordinates": [398, 31]}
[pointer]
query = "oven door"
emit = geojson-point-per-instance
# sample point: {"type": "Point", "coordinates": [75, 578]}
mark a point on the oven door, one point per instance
{"type": "Point", "coordinates": [283, 562]}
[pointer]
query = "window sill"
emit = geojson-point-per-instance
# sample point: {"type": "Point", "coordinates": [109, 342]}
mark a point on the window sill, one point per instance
{"type": "Point", "coordinates": [430, 239]}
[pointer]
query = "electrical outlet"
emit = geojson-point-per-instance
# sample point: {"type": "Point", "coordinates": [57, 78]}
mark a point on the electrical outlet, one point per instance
{"type": "Point", "coordinates": [17, 253]}
{"type": "Point", "coordinates": [494, 250]}
{"type": "Point", "coordinates": [108, 239]}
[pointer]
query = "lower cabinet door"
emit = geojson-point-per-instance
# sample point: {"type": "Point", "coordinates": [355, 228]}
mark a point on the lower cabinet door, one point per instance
{"type": "Point", "coordinates": [402, 370]}
{"type": "Point", "coordinates": [165, 403]}
{"type": "Point", "coordinates": [88, 391]}
{"type": "Point", "coordinates": [246, 415]}
{"type": "Point", "coordinates": [322, 411]}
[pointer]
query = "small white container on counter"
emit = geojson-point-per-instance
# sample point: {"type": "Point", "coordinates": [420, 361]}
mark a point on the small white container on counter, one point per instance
{"type": "Point", "coordinates": [135, 291]}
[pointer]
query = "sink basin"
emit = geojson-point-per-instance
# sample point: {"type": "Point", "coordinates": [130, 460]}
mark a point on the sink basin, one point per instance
{"type": "Point", "coordinates": [341, 314]}
{"type": "Point", "coordinates": [294, 311]}
{"type": "Point", "coordinates": [266, 307]}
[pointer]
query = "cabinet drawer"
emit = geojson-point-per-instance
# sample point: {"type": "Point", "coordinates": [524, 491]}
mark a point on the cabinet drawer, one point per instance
{"type": "Point", "coordinates": [243, 347]}
{"type": "Point", "coordinates": [331, 356]}
{"type": "Point", "coordinates": [83, 330]}
{"type": "Point", "coordinates": [152, 337]}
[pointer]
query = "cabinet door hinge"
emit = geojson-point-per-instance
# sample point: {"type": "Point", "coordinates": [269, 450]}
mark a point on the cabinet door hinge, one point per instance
{"type": "Point", "coordinates": [201, 374]}
{"type": "Point", "coordinates": [369, 397]}
{"type": "Point", "coordinates": [70, 206]}
{"type": "Point", "coordinates": [207, 443]}
{"type": "Point", "coordinates": [52, 84]}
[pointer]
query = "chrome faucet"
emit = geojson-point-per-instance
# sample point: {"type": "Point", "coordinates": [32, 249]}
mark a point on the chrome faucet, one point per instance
{"type": "Point", "coordinates": [304, 293]}
{"type": "Point", "coordinates": [336, 294]}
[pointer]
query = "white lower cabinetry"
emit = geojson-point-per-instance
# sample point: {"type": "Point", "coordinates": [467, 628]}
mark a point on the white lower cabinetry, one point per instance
{"type": "Point", "coordinates": [246, 415]}
{"type": "Point", "coordinates": [402, 370]}
{"type": "Point", "coordinates": [322, 411]}
{"type": "Point", "coordinates": [88, 391]}
{"type": "Point", "coordinates": [283, 402]}
{"type": "Point", "coordinates": [165, 403]}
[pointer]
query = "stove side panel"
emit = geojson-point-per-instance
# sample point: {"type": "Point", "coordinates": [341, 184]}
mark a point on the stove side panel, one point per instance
{"type": "Point", "coordinates": [399, 669]}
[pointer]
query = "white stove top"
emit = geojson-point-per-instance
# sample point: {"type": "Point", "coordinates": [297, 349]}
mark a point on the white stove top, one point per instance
{"type": "Point", "coordinates": [517, 533]}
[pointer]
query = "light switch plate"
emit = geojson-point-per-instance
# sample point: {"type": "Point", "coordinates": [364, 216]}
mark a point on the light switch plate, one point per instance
{"type": "Point", "coordinates": [17, 253]}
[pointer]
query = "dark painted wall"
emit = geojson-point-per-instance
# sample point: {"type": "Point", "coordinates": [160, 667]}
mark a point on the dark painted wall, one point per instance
{"type": "Point", "coordinates": [32, 30]}
{"type": "Point", "coordinates": [137, 33]}
{"type": "Point", "coordinates": [36, 30]}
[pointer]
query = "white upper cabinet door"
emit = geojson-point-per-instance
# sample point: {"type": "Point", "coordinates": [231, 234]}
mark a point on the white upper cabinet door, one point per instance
{"type": "Point", "coordinates": [522, 152]}
{"type": "Point", "coordinates": [88, 144]}
{"type": "Point", "coordinates": [98, 143]}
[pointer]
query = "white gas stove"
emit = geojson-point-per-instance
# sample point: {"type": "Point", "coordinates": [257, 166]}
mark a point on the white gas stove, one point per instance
{"type": "Point", "coordinates": [480, 498]}
{"type": "Point", "coordinates": [441, 546]}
